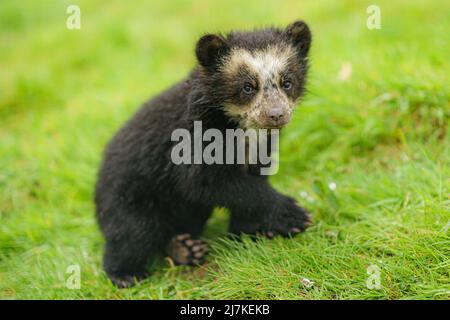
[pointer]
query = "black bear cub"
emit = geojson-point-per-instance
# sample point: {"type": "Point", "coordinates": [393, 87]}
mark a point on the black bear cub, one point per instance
{"type": "Point", "coordinates": [148, 205]}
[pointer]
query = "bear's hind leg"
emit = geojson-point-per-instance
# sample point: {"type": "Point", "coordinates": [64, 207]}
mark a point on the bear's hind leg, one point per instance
{"type": "Point", "coordinates": [131, 245]}
{"type": "Point", "coordinates": [186, 248]}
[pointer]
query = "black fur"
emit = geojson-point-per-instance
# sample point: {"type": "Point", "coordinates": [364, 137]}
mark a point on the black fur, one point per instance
{"type": "Point", "coordinates": [143, 200]}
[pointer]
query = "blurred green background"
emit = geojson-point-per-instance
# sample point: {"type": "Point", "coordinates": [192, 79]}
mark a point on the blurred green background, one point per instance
{"type": "Point", "coordinates": [367, 151]}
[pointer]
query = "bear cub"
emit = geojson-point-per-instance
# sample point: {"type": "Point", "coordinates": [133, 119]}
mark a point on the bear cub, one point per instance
{"type": "Point", "coordinates": [146, 205]}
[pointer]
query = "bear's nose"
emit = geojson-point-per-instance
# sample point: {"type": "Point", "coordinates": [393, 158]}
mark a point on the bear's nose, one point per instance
{"type": "Point", "coordinates": [275, 116]}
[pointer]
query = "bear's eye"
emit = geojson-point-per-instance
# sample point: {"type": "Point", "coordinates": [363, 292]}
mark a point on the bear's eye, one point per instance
{"type": "Point", "coordinates": [248, 88]}
{"type": "Point", "coordinates": [287, 84]}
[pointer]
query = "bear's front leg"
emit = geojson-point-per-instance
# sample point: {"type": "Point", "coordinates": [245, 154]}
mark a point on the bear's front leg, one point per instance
{"type": "Point", "coordinates": [256, 207]}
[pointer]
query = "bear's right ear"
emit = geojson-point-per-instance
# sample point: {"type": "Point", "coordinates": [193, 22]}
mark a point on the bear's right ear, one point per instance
{"type": "Point", "coordinates": [300, 36]}
{"type": "Point", "coordinates": [209, 49]}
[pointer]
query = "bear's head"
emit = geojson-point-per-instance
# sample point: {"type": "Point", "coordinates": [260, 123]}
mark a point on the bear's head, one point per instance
{"type": "Point", "coordinates": [256, 77]}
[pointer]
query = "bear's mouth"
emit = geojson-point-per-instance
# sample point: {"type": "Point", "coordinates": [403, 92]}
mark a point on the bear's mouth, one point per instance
{"type": "Point", "coordinates": [266, 124]}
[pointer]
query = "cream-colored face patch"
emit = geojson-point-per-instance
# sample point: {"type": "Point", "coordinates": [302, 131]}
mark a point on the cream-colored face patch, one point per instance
{"type": "Point", "coordinates": [267, 63]}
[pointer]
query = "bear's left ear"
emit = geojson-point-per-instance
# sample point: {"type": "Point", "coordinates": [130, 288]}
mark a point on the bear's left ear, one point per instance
{"type": "Point", "coordinates": [300, 35]}
{"type": "Point", "coordinates": [209, 49]}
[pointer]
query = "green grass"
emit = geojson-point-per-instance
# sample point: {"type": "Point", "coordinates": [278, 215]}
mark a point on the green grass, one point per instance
{"type": "Point", "coordinates": [382, 136]}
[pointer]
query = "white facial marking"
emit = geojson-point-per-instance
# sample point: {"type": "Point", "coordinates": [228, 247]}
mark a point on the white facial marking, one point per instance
{"type": "Point", "coordinates": [267, 63]}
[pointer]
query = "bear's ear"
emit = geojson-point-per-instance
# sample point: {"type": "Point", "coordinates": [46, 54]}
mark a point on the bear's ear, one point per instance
{"type": "Point", "coordinates": [300, 35]}
{"type": "Point", "coordinates": [209, 49]}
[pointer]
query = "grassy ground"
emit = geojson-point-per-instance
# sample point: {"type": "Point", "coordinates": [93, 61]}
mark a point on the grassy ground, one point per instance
{"type": "Point", "coordinates": [379, 135]}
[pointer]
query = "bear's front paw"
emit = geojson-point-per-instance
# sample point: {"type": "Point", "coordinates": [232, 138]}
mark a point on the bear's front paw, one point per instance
{"type": "Point", "coordinates": [184, 250]}
{"type": "Point", "coordinates": [289, 220]}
